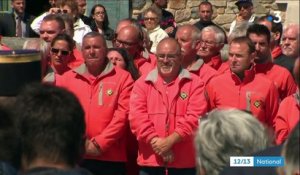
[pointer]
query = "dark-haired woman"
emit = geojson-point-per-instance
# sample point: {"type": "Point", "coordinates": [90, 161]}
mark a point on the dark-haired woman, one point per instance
{"type": "Point", "coordinates": [100, 23]}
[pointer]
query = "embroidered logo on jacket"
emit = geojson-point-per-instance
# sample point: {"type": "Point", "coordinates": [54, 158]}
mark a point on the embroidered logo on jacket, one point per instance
{"type": "Point", "coordinates": [109, 92]}
{"type": "Point", "coordinates": [183, 95]}
{"type": "Point", "coordinates": [257, 103]}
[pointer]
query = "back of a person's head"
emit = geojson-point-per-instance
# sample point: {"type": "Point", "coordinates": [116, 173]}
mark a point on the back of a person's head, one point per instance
{"type": "Point", "coordinates": [291, 153]}
{"type": "Point", "coordinates": [51, 125]}
{"type": "Point", "coordinates": [226, 133]}
{"type": "Point", "coordinates": [9, 140]}
{"type": "Point", "coordinates": [55, 171]}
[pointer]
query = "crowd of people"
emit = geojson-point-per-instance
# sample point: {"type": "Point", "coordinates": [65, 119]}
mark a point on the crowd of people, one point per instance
{"type": "Point", "coordinates": [150, 97]}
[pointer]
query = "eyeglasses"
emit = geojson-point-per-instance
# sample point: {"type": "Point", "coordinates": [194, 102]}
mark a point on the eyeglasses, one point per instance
{"type": "Point", "coordinates": [62, 52]}
{"type": "Point", "coordinates": [168, 56]}
{"type": "Point", "coordinates": [99, 13]}
{"type": "Point", "coordinates": [125, 43]}
{"type": "Point", "coordinates": [62, 11]}
{"type": "Point", "coordinates": [208, 43]}
{"type": "Point", "coordinates": [149, 19]}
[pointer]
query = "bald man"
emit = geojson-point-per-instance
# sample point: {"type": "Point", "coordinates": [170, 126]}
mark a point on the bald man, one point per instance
{"type": "Point", "coordinates": [130, 38]}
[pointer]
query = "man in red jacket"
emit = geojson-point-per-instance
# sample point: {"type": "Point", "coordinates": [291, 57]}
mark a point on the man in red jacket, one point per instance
{"type": "Point", "coordinates": [260, 36]}
{"type": "Point", "coordinates": [289, 111]}
{"type": "Point", "coordinates": [103, 90]}
{"type": "Point", "coordinates": [241, 88]}
{"type": "Point", "coordinates": [189, 41]}
{"type": "Point", "coordinates": [212, 40]}
{"type": "Point", "coordinates": [165, 106]}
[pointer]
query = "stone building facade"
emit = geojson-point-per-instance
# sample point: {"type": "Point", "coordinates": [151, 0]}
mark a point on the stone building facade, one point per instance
{"type": "Point", "coordinates": [186, 11]}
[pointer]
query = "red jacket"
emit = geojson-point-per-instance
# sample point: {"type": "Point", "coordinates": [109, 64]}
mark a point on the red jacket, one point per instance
{"type": "Point", "coordinates": [281, 77]}
{"type": "Point", "coordinates": [158, 110]}
{"type": "Point", "coordinates": [150, 57]}
{"type": "Point", "coordinates": [205, 72]}
{"type": "Point", "coordinates": [4, 47]}
{"type": "Point", "coordinates": [255, 93]}
{"type": "Point", "coordinates": [76, 59]}
{"type": "Point", "coordinates": [217, 63]}
{"type": "Point", "coordinates": [287, 117]}
{"type": "Point", "coordinates": [143, 65]}
{"type": "Point", "coordinates": [105, 100]}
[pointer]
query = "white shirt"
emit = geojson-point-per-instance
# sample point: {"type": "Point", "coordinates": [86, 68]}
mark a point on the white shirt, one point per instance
{"type": "Point", "coordinates": [80, 29]}
{"type": "Point", "coordinates": [233, 24]}
{"type": "Point", "coordinates": [156, 35]}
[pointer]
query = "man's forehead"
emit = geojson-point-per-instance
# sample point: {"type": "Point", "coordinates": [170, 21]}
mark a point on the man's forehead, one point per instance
{"type": "Point", "coordinates": [128, 33]}
{"type": "Point", "coordinates": [205, 6]}
{"type": "Point", "coordinates": [208, 34]}
{"type": "Point", "coordinates": [167, 46]}
{"type": "Point", "coordinates": [292, 30]}
{"type": "Point", "coordinates": [50, 22]}
{"type": "Point", "coordinates": [93, 39]}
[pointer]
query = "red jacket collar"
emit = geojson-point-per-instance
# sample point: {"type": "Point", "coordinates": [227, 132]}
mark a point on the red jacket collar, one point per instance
{"type": "Point", "coordinates": [276, 52]}
{"type": "Point", "coordinates": [248, 76]}
{"type": "Point", "coordinates": [214, 62]}
{"type": "Point", "coordinates": [139, 61]}
{"type": "Point", "coordinates": [264, 67]}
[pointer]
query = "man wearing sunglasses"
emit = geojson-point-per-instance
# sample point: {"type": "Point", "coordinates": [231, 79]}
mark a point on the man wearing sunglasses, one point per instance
{"type": "Point", "coordinates": [245, 13]}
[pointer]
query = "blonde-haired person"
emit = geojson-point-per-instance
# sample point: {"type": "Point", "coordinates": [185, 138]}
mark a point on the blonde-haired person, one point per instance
{"type": "Point", "coordinates": [43, 47]}
{"type": "Point", "coordinates": [152, 17]}
{"type": "Point", "coordinates": [225, 133]}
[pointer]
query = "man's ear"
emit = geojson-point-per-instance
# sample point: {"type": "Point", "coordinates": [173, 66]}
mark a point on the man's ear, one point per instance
{"type": "Point", "coordinates": [277, 36]}
{"type": "Point", "coordinates": [253, 55]}
{"type": "Point", "coordinates": [197, 44]}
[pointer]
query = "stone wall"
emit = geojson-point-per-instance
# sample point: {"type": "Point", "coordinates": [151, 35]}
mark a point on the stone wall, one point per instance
{"type": "Point", "coordinates": [186, 11]}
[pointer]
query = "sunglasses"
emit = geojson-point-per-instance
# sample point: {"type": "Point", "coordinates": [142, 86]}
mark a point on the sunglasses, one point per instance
{"type": "Point", "coordinates": [149, 19]}
{"type": "Point", "coordinates": [62, 52]}
{"type": "Point", "coordinates": [62, 11]}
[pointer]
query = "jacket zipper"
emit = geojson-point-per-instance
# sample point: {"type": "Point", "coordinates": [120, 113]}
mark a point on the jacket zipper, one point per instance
{"type": "Point", "coordinates": [100, 96]}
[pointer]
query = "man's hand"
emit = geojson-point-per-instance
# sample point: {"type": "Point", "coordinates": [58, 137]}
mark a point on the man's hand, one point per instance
{"type": "Point", "coordinates": [92, 149]}
{"type": "Point", "coordinates": [54, 10]}
{"type": "Point", "coordinates": [161, 145]}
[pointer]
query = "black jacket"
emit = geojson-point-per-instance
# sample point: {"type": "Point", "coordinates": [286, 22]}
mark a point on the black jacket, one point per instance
{"type": "Point", "coordinates": [285, 61]}
{"type": "Point", "coordinates": [8, 25]}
